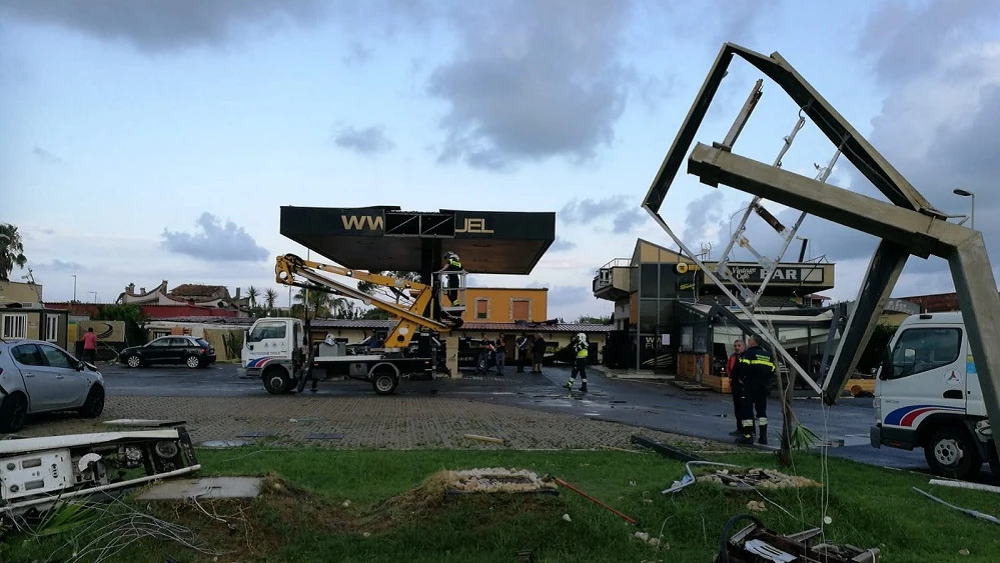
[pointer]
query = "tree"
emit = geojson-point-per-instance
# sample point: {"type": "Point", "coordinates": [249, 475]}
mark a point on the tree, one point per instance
{"type": "Point", "coordinates": [270, 296]}
{"type": "Point", "coordinates": [375, 314]}
{"type": "Point", "coordinates": [11, 250]}
{"type": "Point", "coordinates": [383, 291]}
{"type": "Point", "coordinates": [252, 294]}
{"type": "Point", "coordinates": [321, 303]}
{"type": "Point", "coordinates": [585, 320]}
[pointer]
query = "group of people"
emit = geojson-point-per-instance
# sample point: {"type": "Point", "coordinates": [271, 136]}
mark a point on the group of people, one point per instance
{"type": "Point", "coordinates": [527, 348]}
{"type": "Point", "coordinates": [750, 371]}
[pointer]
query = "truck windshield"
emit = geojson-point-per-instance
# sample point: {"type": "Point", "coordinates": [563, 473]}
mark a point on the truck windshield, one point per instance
{"type": "Point", "coordinates": [273, 329]}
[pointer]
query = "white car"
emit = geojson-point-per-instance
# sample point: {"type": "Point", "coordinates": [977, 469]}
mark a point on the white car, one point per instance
{"type": "Point", "coordinates": [37, 376]}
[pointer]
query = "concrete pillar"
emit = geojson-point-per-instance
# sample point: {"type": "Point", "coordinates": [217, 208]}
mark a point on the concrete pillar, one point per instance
{"type": "Point", "coordinates": [451, 356]}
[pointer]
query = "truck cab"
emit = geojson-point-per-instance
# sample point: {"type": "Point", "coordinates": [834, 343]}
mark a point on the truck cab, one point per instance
{"type": "Point", "coordinates": [275, 351]}
{"type": "Point", "coordinates": [928, 396]}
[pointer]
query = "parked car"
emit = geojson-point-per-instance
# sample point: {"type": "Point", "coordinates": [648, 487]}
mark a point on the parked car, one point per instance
{"type": "Point", "coordinates": [188, 350]}
{"type": "Point", "coordinates": [38, 376]}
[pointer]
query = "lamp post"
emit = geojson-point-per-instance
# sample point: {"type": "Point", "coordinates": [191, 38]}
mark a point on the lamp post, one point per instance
{"type": "Point", "coordinates": [967, 193]}
{"type": "Point", "coordinates": [74, 288]}
{"type": "Point", "coordinates": [94, 293]}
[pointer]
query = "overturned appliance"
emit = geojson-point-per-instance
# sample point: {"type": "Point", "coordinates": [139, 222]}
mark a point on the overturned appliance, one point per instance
{"type": "Point", "coordinates": [757, 544]}
{"type": "Point", "coordinates": [37, 472]}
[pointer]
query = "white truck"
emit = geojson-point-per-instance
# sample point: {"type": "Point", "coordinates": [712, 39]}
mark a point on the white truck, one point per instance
{"type": "Point", "coordinates": [275, 351]}
{"type": "Point", "coordinates": [928, 396]}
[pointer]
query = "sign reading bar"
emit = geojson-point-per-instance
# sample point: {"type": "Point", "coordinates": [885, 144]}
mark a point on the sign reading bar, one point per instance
{"type": "Point", "coordinates": [786, 274]}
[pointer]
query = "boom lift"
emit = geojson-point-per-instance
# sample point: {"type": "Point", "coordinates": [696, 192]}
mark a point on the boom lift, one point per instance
{"type": "Point", "coordinates": [383, 367]}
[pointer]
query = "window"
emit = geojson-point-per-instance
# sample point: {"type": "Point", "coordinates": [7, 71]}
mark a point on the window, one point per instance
{"type": "Point", "coordinates": [649, 280]}
{"type": "Point", "coordinates": [520, 310]}
{"type": "Point", "coordinates": [15, 326]}
{"type": "Point", "coordinates": [670, 280]}
{"type": "Point", "coordinates": [56, 358]}
{"type": "Point", "coordinates": [923, 349]}
{"type": "Point", "coordinates": [160, 342]}
{"type": "Point", "coordinates": [180, 342]}
{"type": "Point", "coordinates": [52, 328]}
{"type": "Point", "coordinates": [202, 342]}
{"type": "Point", "coordinates": [27, 355]}
{"type": "Point", "coordinates": [482, 308]}
{"type": "Point", "coordinates": [648, 309]}
{"type": "Point", "coordinates": [273, 329]}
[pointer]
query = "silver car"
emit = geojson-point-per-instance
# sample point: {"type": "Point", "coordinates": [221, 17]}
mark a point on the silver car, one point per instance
{"type": "Point", "coordinates": [37, 376]}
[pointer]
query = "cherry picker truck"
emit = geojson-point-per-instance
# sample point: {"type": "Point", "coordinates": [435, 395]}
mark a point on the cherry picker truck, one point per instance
{"type": "Point", "coordinates": [274, 352]}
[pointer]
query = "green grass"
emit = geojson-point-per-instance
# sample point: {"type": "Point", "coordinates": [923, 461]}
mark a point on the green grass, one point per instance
{"type": "Point", "coordinates": [869, 507]}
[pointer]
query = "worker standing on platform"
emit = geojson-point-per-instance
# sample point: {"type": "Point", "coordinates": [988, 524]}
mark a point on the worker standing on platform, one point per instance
{"type": "Point", "coordinates": [754, 369]}
{"type": "Point", "coordinates": [454, 264]}
{"type": "Point", "coordinates": [735, 386]}
{"type": "Point", "coordinates": [581, 350]}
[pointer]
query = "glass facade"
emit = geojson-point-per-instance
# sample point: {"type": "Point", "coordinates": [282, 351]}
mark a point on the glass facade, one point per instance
{"type": "Point", "coordinates": [660, 285]}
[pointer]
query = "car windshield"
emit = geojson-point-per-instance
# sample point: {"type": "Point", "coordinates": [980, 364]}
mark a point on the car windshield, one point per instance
{"type": "Point", "coordinates": [202, 342]}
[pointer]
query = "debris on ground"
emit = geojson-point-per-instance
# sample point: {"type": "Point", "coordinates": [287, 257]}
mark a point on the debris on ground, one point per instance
{"type": "Point", "coordinates": [756, 543]}
{"type": "Point", "coordinates": [490, 439]}
{"type": "Point", "coordinates": [651, 541]}
{"type": "Point", "coordinates": [756, 506]}
{"type": "Point", "coordinates": [756, 478]}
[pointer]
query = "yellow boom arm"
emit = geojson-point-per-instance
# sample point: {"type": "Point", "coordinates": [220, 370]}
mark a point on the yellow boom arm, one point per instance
{"type": "Point", "coordinates": [291, 269]}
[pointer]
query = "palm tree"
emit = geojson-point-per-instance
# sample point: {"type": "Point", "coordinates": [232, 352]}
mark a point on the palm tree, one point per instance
{"type": "Point", "coordinates": [321, 303]}
{"type": "Point", "coordinates": [270, 296]}
{"type": "Point", "coordinates": [252, 294]}
{"type": "Point", "coordinates": [11, 250]}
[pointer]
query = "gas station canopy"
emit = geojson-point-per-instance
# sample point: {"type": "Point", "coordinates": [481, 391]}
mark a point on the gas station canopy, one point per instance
{"type": "Point", "coordinates": [386, 238]}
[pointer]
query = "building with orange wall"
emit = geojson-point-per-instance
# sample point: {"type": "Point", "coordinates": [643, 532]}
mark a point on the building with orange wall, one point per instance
{"type": "Point", "coordinates": [506, 305]}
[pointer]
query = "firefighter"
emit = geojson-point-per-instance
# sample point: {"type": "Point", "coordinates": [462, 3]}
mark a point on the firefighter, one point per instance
{"type": "Point", "coordinates": [453, 265]}
{"type": "Point", "coordinates": [735, 385]}
{"type": "Point", "coordinates": [581, 349]}
{"type": "Point", "coordinates": [754, 370]}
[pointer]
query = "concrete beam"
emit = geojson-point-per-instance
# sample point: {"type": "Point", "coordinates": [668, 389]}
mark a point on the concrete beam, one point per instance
{"type": "Point", "coordinates": [883, 272]}
{"type": "Point", "coordinates": [980, 305]}
{"type": "Point", "coordinates": [923, 235]}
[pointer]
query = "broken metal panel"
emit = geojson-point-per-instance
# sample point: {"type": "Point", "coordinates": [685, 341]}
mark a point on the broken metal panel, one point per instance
{"type": "Point", "coordinates": [37, 472]}
{"type": "Point", "coordinates": [922, 234]}
{"type": "Point", "coordinates": [840, 132]}
{"type": "Point", "coordinates": [764, 333]}
{"type": "Point", "coordinates": [883, 271]}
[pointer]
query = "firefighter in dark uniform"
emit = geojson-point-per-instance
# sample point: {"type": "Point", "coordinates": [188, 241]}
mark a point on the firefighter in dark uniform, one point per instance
{"type": "Point", "coordinates": [581, 350]}
{"type": "Point", "coordinates": [754, 370]}
{"type": "Point", "coordinates": [453, 265]}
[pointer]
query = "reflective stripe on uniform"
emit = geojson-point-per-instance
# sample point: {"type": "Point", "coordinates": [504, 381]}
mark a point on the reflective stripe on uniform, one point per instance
{"type": "Point", "coordinates": [455, 263]}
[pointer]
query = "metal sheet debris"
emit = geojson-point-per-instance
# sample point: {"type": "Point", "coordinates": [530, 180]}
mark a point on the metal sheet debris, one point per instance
{"type": "Point", "coordinates": [207, 488]}
{"type": "Point", "coordinates": [226, 443]}
{"type": "Point", "coordinates": [257, 434]}
{"type": "Point", "coordinates": [144, 422]}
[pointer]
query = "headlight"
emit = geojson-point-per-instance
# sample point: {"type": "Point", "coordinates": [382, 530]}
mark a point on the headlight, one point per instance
{"type": "Point", "coordinates": [877, 405]}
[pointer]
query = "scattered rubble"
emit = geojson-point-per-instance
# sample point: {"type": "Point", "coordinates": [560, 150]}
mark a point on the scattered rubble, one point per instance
{"type": "Point", "coordinates": [756, 506]}
{"type": "Point", "coordinates": [756, 478]}
{"type": "Point", "coordinates": [491, 480]}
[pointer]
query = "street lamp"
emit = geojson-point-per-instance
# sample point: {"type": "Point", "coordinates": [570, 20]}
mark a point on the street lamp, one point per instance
{"type": "Point", "coordinates": [967, 193]}
{"type": "Point", "coordinates": [94, 293]}
{"type": "Point", "coordinates": [74, 288]}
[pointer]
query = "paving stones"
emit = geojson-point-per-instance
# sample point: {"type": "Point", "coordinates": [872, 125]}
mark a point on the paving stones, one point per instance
{"type": "Point", "coordinates": [399, 422]}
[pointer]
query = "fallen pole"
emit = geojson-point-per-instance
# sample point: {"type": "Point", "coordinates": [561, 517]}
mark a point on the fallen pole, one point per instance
{"type": "Point", "coordinates": [628, 519]}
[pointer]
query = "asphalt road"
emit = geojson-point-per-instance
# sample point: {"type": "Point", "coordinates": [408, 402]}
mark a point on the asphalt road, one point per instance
{"type": "Point", "coordinates": [656, 406]}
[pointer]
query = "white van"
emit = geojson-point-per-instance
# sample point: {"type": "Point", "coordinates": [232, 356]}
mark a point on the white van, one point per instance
{"type": "Point", "coordinates": [928, 396]}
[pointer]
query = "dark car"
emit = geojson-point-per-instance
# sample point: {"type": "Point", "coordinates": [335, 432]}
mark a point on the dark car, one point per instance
{"type": "Point", "coordinates": [188, 350]}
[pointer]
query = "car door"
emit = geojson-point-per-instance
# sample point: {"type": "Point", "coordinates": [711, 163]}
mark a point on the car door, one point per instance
{"type": "Point", "coordinates": [39, 383]}
{"type": "Point", "coordinates": [70, 384]}
{"type": "Point", "coordinates": [180, 347]}
{"type": "Point", "coordinates": [926, 376]}
{"type": "Point", "coordinates": [157, 351]}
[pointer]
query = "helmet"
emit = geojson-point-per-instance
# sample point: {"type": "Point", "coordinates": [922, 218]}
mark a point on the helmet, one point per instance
{"type": "Point", "coordinates": [581, 337]}
{"type": "Point", "coordinates": [450, 255]}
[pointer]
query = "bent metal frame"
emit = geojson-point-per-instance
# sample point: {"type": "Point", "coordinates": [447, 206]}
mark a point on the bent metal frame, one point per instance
{"type": "Point", "coordinates": [908, 225]}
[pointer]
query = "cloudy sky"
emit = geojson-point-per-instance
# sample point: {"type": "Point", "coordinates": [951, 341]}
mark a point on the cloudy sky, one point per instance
{"type": "Point", "coordinates": [144, 141]}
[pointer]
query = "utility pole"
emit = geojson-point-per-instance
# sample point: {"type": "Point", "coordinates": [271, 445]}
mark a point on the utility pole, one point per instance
{"type": "Point", "coordinates": [94, 293]}
{"type": "Point", "coordinates": [74, 288]}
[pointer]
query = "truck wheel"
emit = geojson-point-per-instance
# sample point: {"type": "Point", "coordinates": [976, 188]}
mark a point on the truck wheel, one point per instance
{"type": "Point", "coordinates": [951, 452]}
{"type": "Point", "coordinates": [385, 382]}
{"type": "Point", "coordinates": [276, 381]}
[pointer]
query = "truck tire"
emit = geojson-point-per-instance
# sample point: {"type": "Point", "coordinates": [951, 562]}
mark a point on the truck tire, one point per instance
{"type": "Point", "coordinates": [276, 380]}
{"type": "Point", "coordinates": [385, 380]}
{"type": "Point", "coordinates": [951, 452]}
